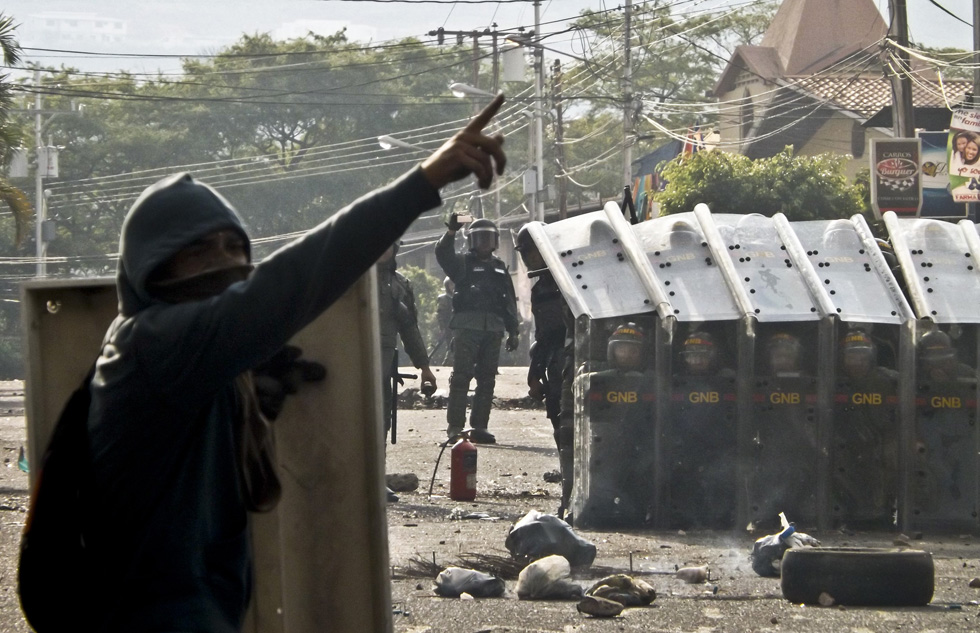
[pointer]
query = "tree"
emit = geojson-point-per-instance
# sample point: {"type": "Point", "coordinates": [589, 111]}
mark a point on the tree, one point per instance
{"type": "Point", "coordinates": [426, 289]}
{"type": "Point", "coordinates": [801, 187]}
{"type": "Point", "coordinates": [676, 58]}
{"type": "Point", "coordinates": [12, 238]}
{"type": "Point", "coordinates": [258, 120]}
{"type": "Point", "coordinates": [956, 63]}
{"type": "Point", "coordinates": [10, 136]}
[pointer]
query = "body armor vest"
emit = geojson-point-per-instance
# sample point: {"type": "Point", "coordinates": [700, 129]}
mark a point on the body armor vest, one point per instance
{"type": "Point", "coordinates": [483, 288]}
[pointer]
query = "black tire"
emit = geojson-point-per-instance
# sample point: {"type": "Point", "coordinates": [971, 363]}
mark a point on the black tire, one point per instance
{"type": "Point", "coordinates": [858, 576]}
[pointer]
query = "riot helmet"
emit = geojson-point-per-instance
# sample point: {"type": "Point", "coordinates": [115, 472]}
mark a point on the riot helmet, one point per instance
{"type": "Point", "coordinates": [935, 347]}
{"type": "Point", "coordinates": [683, 235]}
{"type": "Point", "coordinates": [482, 237]}
{"type": "Point", "coordinates": [625, 349]}
{"type": "Point", "coordinates": [858, 353]}
{"type": "Point", "coordinates": [699, 353]}
{"type": "Point", "coordinates": [524, 244]}
{"type": "Point", "coordinates": [938, 358]}
{"type": "Point", "coordinates": [785, 351]}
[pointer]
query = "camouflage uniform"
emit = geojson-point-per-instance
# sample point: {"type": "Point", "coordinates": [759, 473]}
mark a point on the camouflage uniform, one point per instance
{"type": "Point", "coordinates": [397, 317]}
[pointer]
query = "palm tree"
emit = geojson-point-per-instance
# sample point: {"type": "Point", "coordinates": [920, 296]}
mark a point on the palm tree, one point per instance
{"type": "Point", "coordinates": [10, 136]}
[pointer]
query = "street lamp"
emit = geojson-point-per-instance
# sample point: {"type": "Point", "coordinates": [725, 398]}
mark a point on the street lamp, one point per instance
{"type": "Point", "coordinates": [390, 142]}
{"type": "Point", "coordinates": [461, 90]}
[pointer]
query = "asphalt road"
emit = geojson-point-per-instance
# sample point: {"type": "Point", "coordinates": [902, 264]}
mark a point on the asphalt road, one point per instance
{"type": "Point", "coordinates": [510, 483]}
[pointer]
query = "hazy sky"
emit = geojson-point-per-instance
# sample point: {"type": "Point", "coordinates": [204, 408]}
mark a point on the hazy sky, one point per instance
{"type": "Point", "coordinates": [178, 27]}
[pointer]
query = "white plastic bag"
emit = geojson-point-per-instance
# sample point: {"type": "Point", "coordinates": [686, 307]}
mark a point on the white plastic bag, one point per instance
{"type": "Point", "coordinates": [454, 581]}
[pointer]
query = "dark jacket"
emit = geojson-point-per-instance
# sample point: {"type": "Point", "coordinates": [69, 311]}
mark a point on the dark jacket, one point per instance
{"type": "Point", "coordinates": [169, 524]}
{"type": "Point", "coordinates": [553, 324]}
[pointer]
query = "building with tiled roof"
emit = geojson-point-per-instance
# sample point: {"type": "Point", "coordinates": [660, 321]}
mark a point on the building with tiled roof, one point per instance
{"type": "Point", "coordinates": [817, 82]}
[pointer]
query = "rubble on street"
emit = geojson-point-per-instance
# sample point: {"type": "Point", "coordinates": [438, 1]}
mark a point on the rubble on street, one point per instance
{"type": "Point", "coordinates": [727, 594]}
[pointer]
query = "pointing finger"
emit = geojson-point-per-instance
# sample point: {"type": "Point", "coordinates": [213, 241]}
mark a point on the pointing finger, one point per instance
{"type": "Point", "coordinates": [480, 121]}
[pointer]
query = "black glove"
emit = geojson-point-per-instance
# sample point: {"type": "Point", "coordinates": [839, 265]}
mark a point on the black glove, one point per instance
{"type": "Point", "coordinates": [282, 375]}
{"type": "Point", "coordinates": [512, 342]}
{"type": "Point", "coordinates": [454, 223]}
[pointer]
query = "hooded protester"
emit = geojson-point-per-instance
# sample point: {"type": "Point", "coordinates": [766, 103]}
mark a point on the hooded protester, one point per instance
{"type": "Point", "coordinates": [178, 449]}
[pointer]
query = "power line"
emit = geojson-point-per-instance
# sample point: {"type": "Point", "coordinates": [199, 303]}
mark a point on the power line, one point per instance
{"type": "Point", "coordinates": [950, 13]}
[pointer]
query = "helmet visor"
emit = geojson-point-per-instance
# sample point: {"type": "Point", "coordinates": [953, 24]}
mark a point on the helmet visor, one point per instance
{"type": "Point", "coordinates": [483, 240]}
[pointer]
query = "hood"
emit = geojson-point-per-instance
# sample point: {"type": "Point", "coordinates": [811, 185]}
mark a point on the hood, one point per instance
{"type": "Point", "coordinates": [168, 216]}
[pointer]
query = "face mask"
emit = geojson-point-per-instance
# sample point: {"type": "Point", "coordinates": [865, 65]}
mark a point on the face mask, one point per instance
{"type": "Point", "coordinates": [199, 287]}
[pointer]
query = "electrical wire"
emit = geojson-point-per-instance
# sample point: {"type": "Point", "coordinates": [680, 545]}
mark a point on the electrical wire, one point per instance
{"type": "Point", "coordinates": [604, 157]}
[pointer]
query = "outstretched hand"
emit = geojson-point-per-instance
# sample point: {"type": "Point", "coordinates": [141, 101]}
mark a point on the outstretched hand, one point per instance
{"type": "Point", "coordinates": [469, 151]}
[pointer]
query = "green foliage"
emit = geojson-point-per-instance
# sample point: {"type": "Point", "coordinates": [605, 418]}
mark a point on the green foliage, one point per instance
{"type": "Point", "coordinates": [276, 105]}
{"type": "Point", "coordinates": [13, 200]}
{"type": "Point", "coordinates": [958, 62]}
{"type": "Point", "coordinates": [676, 58]}
{"type": "Point", "coordinates": [427, 289]}
{"type": "Point", "coordinates": [11, 134]}
{"type": "Point", "coordinates": [801, 187]}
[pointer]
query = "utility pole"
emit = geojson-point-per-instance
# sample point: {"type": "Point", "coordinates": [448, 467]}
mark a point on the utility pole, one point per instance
{"type": "Point", "coordinates": [536, 128]}
{"type": "Point", "coordinates": [628, 99]}
{"type": "Point", "coordinates": [556, 88]}
{"type": "Point", "coordinates": [38, 180]}
{"type": "Point", "coordinates": [903, 121]}
{"type": "Point", "coordinates": [476, 68]}
{"type": "Point", "coordinates": [537, 112]}
{"type": "Point", "coordinates": [441, 33]}
{"type": "Point", "coordinates": [43, 161]}
{"type": "Point", "coordinates": [495, 59]}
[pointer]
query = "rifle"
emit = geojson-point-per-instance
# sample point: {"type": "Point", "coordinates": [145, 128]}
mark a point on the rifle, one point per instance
{"type": "Point", "coordinates": [396, 379]}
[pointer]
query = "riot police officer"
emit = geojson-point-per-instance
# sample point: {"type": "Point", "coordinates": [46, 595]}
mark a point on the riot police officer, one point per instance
{"type": "Point", "coordinates": [549, 375]}
{"type": "Point", "coordinates": [865, 434]}
{"type": "Point", "coordinates": [784, 355]}
{"type": "Point", "coordinates": [701, 356]}
{"type": "Point", "coordinates": [625, 350]}
{"type": "Point", "coordinates": [614, 486]}
{"type": "Point", "coordinates": [945, 483]}
{"type": "Point", "coordinates": [699, 435]}
{"type": "Point", "coordinates": [938, 362]}
{"type": "Point", "coordinates": [397, 317]}
{"type": "Point", "coordinates": [783, 428]}
{"type": "Point", "coordinates": [484, 306]}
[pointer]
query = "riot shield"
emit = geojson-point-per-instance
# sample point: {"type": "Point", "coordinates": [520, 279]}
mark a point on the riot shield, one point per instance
{"type": "Point", "coordinates": [782, 476]}
{"type": "Point", "coordinates": [700, 448]}
{"type": "Point", "coordinates": [944, 480]}
{"type": "Point", "coordinates": [865, 444]}
{"type": "Point", "coordinates": [614, 438]}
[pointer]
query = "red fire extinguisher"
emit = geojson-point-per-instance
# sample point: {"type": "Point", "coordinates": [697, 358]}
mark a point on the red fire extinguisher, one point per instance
{"type": "Point", "coordinates": [462, 470]}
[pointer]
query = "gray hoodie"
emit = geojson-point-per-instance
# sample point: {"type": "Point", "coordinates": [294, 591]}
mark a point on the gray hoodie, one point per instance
{"type": "Point", "coordinates": [169, 527]}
